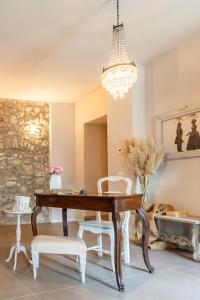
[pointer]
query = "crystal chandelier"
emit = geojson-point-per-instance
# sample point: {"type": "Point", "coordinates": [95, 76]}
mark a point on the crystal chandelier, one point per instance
{"type": "Point", "coordinates": [120, 74]}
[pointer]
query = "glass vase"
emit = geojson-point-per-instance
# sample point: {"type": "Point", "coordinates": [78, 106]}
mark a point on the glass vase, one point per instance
{"type": "Point", "coordinates": [144, 184]}
{"type": "Point", "coordinates": [55, 182]}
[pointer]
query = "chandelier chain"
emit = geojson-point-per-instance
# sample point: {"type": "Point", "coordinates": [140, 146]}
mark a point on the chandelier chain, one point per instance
{"type": "Point", "coordinates": [117, 12]}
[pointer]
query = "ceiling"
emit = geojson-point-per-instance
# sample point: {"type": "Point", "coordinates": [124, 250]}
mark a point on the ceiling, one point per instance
{"type": "Point", "coordinates": [55, 49]}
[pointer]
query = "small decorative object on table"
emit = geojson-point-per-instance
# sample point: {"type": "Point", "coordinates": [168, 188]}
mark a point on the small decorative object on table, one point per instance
{"type": "Point", "coordinates": [83, 192]}
{"type": "Point", "coordinates": [55, 179]}
{"type": "Point", "coordinates": [144, 157]}
{"type": "Point", "coordinates": [63, 191]}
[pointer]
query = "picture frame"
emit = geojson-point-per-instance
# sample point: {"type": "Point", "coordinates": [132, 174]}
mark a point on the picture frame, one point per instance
{"type": "Point", "coordinates": [166, 125]}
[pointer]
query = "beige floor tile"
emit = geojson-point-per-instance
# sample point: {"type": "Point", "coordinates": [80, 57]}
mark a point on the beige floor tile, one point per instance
{"type": "Point", "coordinates": [28, 297]}
{"type": "Point", "coordinates": [96, 291]}
{"type": "Point", "coordinates": [53, 274]}
{"type": "Point", "coordinates": [170, 286]}
{"type": "Point", "coordinates": [10, 286]}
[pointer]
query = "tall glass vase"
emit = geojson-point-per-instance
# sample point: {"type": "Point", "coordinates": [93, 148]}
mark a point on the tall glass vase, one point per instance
{"type": "Point", "coordinates": [55, 182]}
{"type": "Point", "coordinates": [144, 184]}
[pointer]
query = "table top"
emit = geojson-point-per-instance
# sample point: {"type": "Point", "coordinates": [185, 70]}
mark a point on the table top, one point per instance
{"type": "Point", "coordinates": [106, 195]}
{"type": "Point", "coordinates": [105, 202]}
{"type": "Point", "coordinates": [189, 219]}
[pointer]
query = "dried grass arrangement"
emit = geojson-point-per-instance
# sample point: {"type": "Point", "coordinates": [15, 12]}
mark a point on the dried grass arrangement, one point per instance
{"type": "Point", "coordinates": [143, 158]}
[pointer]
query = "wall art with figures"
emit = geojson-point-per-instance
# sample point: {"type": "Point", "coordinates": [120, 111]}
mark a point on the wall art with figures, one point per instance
{"type": "Point", "coordinates": [179, 132]}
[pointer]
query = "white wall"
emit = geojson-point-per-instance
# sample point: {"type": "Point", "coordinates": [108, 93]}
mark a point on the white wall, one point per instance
{"type": "Point", "coordinates": [62, 147]}
{"type": "Point", "coordinates": [139, 104]}
{"type": "Point", "coordinates": [126, 118]}
{"type": "Point", "coordinates": [172, 81]}
{"type": "Point", "coordinates": [119, 128]}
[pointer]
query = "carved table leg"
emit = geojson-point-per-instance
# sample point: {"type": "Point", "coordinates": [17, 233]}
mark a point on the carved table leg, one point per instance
{"type": "Point", "coordinates": [65, 225]}
{"type": "Point", "coordinates": [145, 237]}
{"type": "Point", "coordinates": [117, 223]}
{"type": "Point", "coordinates": [36, 211]}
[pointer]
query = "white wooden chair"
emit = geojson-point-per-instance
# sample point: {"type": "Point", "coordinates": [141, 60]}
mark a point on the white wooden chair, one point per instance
{"type": "Point", "coordinates": [59, 245]}
{"type": "Point", "coordinates": [99, 227]}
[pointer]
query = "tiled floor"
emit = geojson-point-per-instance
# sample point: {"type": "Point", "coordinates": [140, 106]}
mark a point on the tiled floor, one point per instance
{"type": "Point", "coordinates": [177, 276]}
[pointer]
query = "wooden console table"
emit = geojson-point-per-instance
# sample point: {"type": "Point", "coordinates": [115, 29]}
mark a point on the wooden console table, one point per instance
{"type": "Point", "coordinates": [99, 202]}
{"type": "Point", "coordinates": [182, 231]}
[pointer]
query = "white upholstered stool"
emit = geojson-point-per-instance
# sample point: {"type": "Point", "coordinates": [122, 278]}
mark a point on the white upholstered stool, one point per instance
{"type": "Point", "coordinates": [58, 245]}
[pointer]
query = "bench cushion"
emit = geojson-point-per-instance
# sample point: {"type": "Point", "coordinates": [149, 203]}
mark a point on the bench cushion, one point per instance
{"type": "Point", "coordinates": [58, 244]}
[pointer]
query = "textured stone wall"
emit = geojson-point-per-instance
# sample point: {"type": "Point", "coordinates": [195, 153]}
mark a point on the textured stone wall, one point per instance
{"type": "Point", "coordinates": [24, 152]}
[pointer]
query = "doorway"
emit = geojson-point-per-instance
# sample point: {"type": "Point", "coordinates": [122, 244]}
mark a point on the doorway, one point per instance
{"type": "Point", "coordinates": [95, 154]}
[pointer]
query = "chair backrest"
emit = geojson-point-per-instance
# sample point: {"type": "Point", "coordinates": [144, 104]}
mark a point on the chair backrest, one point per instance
{"type": "Point", "coordinates": [128, 182]}
{"type": "Point", "coordinates": [21, 203]}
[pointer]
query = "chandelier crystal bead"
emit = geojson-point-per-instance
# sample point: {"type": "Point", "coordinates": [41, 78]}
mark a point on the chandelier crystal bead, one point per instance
{"type": "Point", "coordinates": [120, 74]}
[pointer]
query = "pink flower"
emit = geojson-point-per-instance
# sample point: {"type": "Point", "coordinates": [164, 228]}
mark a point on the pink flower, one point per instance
{"type": "Point", "coordinates": [50, 170]}
{"type": "Point", "coordinates": [54, 170]}
{"type": "Point", "coordinates": [58, 169]}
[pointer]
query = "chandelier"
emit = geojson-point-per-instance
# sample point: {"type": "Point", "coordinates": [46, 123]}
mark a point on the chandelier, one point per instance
{"type": "Point", "coordinates": [120, 74]}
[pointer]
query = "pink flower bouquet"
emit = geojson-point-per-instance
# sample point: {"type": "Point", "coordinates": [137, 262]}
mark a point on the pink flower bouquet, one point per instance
{"type": "Point", "coordinates": [54, 170]}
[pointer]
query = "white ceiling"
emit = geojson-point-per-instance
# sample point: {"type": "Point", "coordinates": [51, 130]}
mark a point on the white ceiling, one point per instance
{"type": "Point", "coordinates": [55, 49]}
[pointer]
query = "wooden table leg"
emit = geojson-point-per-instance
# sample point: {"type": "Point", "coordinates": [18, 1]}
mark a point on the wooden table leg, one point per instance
{"type": "Point", "coordinates": [117, 223]}
{"type": "Point", "coordinates": [36, 211]}
{"type": "Point", "coordinates": [65, 225]}
{"type": "Point", "coordinates": [145, 237]}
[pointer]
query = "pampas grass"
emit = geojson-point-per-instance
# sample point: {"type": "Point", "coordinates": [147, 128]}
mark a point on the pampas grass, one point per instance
{"type": "Point", "coordinates": [143, 155]}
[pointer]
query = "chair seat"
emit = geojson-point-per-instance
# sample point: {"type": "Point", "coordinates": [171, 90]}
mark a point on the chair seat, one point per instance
{"type": "Point", "coordinates": [58, 244]}
{"type": "Point", "coordinates": [99, 224]}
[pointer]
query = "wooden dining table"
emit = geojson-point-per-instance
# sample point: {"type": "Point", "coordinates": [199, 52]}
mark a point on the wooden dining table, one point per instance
{"type": "Point", "coordinates": [113, 203]}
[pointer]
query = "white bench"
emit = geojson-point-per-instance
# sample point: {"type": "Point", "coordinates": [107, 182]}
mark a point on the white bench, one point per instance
{"type": "Point", "coordinates": [182, 231]}
{"type": "Point", "coordinates": [58, 245]}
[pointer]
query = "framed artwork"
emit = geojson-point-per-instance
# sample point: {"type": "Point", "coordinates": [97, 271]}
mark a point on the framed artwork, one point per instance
{"type": "Point", "coordinates": [179, 132]}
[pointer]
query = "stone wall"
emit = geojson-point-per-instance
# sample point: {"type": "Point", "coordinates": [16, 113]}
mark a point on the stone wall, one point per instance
{"type": "Point", "coordinates": [24, 152]}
